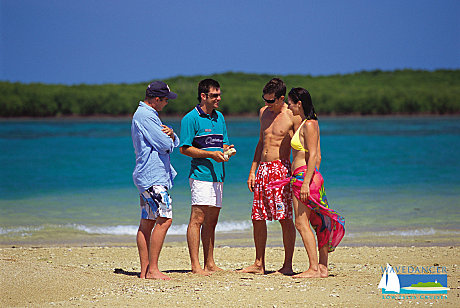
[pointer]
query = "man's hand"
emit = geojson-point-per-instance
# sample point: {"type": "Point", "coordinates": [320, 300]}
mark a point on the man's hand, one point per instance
{"type": "Point", "coordinates": [251, 181]}
{"type": "Point", "coordinates": [218, 156]}
{"type": "Point", "coordinates": [168, 131]}
{"type": "Point", "coordinates": [229, 151]}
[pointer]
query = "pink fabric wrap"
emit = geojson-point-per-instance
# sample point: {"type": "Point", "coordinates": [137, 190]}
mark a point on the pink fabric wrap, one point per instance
{"type": "Point", "coordinates": [328, 224]}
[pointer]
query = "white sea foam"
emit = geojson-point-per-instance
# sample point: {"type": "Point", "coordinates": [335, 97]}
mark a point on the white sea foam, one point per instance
{"type": "Point", "coordinates": [20, 230]}
{"type": "Point", "coordinates": [224, 226]}
{"type": "Point", "coordinates": [407, 233]}
{"type": "Point", "coordinates": [416, 232]}
{"type": "Point", "coordinates": [113, 230]}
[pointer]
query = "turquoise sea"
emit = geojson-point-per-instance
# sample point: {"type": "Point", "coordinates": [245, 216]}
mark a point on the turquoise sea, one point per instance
{"type": "Point", "coordinates": [65, 180]}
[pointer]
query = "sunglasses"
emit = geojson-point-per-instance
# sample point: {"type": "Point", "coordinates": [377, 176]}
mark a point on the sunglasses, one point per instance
{"type": "Point", "coordinates": [268, 101]}
{"type": "Point", "coordinates": [213, 95]}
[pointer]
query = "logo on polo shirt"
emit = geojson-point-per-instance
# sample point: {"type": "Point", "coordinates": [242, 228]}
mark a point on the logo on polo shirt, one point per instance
{"type": "Point", "coordinates": [211, 140]}
{"type": "Point", "coordinates": [208, 141]}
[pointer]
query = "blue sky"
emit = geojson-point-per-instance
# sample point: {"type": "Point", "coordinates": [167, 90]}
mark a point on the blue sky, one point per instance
{"type": "Point", "coordinates": [113, 41]}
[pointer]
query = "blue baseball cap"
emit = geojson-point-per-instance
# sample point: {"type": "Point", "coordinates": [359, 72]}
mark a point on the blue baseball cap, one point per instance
{"type": "Point", "coordinates": [159, 89]}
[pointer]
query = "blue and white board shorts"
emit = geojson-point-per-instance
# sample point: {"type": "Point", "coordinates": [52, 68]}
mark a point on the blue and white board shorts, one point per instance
{"type": "Point", "coordinates": [156, 202]}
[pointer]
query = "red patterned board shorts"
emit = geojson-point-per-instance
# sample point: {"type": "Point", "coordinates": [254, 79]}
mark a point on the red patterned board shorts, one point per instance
{"type": "Point", "coordinates": [275, 203]}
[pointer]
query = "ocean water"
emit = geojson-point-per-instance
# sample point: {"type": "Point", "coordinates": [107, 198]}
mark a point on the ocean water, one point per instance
{"type": "Point", "coordinates": [389, 177]}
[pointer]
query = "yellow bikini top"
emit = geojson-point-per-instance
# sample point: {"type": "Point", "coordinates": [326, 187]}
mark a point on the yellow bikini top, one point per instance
{"type": "Point", "coordinates": [295, 141]}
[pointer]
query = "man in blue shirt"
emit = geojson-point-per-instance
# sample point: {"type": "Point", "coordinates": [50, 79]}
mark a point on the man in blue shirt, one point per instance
{"type": "Point", "coordinates": [204, 138]}
{"type": "Point", "coordinates": [153, 175]}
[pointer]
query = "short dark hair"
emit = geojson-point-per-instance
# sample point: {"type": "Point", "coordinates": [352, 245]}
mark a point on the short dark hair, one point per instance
{"type": "Point", "coordinates": [301, 94]}
{"type": "Point", "coordinates": [205, 85]}
{"type": "Point", "coordinates": [276, 86]}
{"type": "Point", "coordinates": [152, 97]}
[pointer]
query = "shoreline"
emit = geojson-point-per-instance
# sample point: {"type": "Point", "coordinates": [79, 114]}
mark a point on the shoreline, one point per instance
{"type": "Point", "coordinates": [108, 276]}
{"type": "Point", "coordinates": [242, 239]}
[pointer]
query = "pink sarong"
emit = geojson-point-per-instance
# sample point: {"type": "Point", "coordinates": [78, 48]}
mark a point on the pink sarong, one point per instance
{"type": "Point", "coordinates": [328, 224]}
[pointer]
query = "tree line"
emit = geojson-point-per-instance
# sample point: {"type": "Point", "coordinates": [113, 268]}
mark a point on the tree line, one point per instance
{"type": "Point", "coordinates": [362, 93]}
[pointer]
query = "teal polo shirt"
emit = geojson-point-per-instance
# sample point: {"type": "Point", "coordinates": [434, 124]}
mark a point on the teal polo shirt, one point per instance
{"type": "Point", "coordinates": [206, 132]}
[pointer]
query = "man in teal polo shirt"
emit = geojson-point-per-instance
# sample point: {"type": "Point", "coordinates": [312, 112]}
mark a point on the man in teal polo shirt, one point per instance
{"type": "Point", "coordinates": [204, 138]}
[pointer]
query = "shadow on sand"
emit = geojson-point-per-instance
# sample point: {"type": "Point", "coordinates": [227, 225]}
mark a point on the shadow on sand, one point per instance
{"type": "Point", "coordinates": [128, 273]}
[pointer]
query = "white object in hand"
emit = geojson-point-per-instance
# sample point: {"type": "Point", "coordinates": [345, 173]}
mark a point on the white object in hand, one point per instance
{"type": "Point", "coordinates": [229, 153]}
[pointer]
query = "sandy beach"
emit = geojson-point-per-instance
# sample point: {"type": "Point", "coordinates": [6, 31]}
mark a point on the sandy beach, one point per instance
{"type": "Point", "coordinates": [107, 276]}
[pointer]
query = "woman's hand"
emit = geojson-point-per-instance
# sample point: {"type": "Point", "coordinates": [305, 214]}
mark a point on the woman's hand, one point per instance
{"type": "Point", "coordinates": [304, 192]}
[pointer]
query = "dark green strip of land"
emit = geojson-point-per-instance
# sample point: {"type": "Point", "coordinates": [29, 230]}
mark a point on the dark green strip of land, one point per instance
{"type": "Point", "coordinates": [363, 93]}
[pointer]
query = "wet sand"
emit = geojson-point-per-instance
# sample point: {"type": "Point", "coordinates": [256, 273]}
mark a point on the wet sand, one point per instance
{"type": "Point", "coordinates": [108, 276]}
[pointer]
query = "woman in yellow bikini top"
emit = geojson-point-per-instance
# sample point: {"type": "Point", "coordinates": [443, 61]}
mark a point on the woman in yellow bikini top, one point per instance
{"type": "Point", "coordinates": [310, 202]}
{"type": "Point", "coordinates": [300, 104]}
{"type": "Point", "coordinates": [295, 141]}
{"type": "Point", "coordinates": [305, 140]}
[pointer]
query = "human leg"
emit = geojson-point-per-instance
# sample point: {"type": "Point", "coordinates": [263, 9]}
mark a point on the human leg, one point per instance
{"type": "Point", "coordinates": [143, 243]}
{"type": "Point", "coordinates": [323, 259]}
{"type": "Point", "coordinates": [260, 212]}
{"type": "Point", "coordinates": [208, 230]}
{"type": "Point", "coordinates": [156, 243]}
{"type": "Point", "coordinates": [302, 224]}
{"type": "Point", "coordinates": [267, 204]}
{"type": "Point", "coordinates": [260, 241]}
{"type": "Point", "coordinates": [288, 230]}
{"type": "Point", "coordinates": [279, 202]}
{"type": "Point", "coordinates": [193, 237]}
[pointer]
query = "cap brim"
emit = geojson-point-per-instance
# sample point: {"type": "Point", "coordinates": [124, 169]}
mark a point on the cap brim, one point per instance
{"type": "Point", "coordinates": [171, 95]}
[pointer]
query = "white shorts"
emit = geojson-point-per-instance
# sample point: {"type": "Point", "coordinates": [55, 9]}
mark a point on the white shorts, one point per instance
{"type": "Point", "coordinates": [206, 193]}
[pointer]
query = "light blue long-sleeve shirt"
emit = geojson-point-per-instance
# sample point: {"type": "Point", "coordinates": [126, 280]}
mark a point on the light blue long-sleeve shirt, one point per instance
{"type": "Point", "coordinates": [152, 147]}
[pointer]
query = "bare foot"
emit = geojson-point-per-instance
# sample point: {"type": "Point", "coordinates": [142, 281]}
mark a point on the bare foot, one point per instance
{"type": "Point", "coordinates": [284, 271]}
{"type": "Point", "coordinates": [157, 275]}
{"type": "Point", "coordinates": [201, 272]}
{"type": "Point", "coordinates": [212, 269]}
{"type": "Point", "coordinates": [310, 273]}
{"type": "Point", "coordinates": [253, 269]}
{"type": "Point", "coordinates": [142, 274]}
{"type": "Point", "coordinates": [323, 271]}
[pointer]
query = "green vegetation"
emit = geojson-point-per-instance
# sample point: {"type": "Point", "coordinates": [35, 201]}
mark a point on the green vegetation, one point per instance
{"type": "Point", "coordinates": [427, 285]}
{"type": "Point", "coordinates": [365, 93]}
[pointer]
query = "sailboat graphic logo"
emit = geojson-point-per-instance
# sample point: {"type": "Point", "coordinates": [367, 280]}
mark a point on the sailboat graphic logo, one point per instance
{"type": "Point", "coordinates": [392, 283]}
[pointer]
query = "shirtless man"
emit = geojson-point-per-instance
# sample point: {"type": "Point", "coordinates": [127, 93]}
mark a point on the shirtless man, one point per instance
{"type": "Point", "coordinates": [271, 160]}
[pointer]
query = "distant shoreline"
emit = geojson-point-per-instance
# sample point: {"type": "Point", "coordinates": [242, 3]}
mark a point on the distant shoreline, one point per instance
{"type": "Point", "coordinates": [245, 116]}
{"type": "Point", "coordinates": [364, 93]}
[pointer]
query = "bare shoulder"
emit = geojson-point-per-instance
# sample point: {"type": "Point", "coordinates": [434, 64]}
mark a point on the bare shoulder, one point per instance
{"type": "Point", "coordinates": [287, 112]}
{"type": "Point", "coordinates": [297, 120]}
{"type": "Point", "coordinates": [311, 125]}
{"type": "Point", "coordinates": [287, 115]}
{"type": "Point", "coordinates": [261, 111]}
